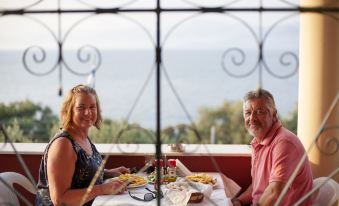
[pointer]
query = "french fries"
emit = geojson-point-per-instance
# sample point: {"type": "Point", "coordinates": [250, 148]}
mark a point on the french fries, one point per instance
{"type": "Point", "coordinates": [202, 178]}
{"type": "Point", "coordinates": [133, 180]}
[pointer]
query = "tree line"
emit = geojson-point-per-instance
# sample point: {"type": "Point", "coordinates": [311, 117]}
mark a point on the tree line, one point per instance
{"type": "Point", "coordinates": [26, 121]}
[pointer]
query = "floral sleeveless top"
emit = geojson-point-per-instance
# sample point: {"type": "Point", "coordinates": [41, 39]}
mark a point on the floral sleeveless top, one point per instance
{"type": "Point", "coordinates": [85, 169]}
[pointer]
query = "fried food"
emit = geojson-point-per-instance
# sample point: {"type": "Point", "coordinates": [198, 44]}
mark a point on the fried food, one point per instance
{"type": "Point", "coordinates": [132, 180]}
{"type": "Point", "coordinates": [202, 178]}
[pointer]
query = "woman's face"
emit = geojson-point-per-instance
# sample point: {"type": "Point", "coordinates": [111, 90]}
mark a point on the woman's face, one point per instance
{"type": "Point", "coordinates": [259, 118]}
{"type": "Point", "coordinates": [84, 110]}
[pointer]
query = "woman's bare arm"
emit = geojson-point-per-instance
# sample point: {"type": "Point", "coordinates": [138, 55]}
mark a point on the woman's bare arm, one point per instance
{"type": "Point", "coordinates": [60, 168]}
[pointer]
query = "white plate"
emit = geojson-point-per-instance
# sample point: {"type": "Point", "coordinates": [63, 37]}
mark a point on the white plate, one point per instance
{"type": "Point", "coordinates": [128, 186]}
{"type": "Point", "coordinates": [136, 186]}
{"type": "Point", "coordinates": [215, 184]}
{"type": "Point", "coordinates": [140, 185]}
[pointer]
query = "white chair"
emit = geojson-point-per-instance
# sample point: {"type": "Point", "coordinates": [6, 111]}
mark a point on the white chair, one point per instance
{"type": "Point", "coordinates": [328, 193]}
{"type": "Point", "coordinates": [8, 195]}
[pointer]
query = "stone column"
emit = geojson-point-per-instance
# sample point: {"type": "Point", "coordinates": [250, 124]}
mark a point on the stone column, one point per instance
{"type": "Point", "coordinates": [318, 86]}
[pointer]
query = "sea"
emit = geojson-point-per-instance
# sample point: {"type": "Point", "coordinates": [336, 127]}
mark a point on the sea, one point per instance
{"type": "Point", "coordinates": [126, 81]}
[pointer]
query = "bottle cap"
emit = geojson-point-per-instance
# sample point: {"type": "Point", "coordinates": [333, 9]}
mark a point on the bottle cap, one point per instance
{"type": "Point", "coordinates": [172, 163]}
{"type": "Point", "coordinates": [161, 163]}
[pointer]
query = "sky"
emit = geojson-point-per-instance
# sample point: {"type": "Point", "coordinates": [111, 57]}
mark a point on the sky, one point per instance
{"type": "Point", "coordinates": [209, 34]}
{"type": "Point", "coordinates": [38, 28]}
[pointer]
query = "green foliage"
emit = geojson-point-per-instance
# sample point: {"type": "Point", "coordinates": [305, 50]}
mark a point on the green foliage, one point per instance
{"type": "Point", "coordinates": [226, 119]}
{"type": "Point", "coordinates": [180, 133]}
{"type": "Point", "coordinates": [291, 121]}
{"type": "Point", "coordinates": [14, 132]}
{"type": "Point", "coordinates": [27, 122]}
{"type": "Point", "coordinates": [121, 132]}
{"type": "Point", "coordinates": [106, 133]}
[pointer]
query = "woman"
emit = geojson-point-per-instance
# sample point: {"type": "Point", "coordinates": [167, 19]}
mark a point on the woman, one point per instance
{"type": "Point", "coordinates": [71, 161]}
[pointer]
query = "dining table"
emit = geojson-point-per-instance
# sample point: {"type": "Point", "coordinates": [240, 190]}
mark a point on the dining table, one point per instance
{"type": "Point", "coordinates": [220, 195]}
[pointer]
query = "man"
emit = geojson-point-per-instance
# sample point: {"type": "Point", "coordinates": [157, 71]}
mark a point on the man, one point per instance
{"type": "Point", "coordinates": [275, 154]}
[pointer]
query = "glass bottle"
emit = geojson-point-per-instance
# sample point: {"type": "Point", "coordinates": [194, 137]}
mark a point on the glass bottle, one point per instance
{"type": "Point", "coordinates": [171, 170]}
{"type": "Point", "coordinates": [161, 163]}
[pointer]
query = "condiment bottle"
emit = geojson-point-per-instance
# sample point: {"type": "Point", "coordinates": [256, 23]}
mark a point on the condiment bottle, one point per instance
{"type": "Point", "coordinates": [171, 170]}
{"type": "Point", "coordinates": [161, 163]}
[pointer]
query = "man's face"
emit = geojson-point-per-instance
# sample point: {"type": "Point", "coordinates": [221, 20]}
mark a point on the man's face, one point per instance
{"type": "Point", "coordinates": [259, 117]}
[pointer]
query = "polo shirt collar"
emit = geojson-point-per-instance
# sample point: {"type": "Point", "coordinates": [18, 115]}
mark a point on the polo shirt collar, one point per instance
{"type": "Point", "coordinates": [269, 137]}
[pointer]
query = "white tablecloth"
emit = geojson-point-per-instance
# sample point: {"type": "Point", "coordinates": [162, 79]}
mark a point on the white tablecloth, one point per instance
{"type": "Point", "coordinates": [218, 197]}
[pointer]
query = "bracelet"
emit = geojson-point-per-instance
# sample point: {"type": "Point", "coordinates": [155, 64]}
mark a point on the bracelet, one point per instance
{"type": "Point", "coordinates": [237, 200]}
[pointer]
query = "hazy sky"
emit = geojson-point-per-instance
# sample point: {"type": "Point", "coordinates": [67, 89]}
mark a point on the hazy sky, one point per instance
{"type": "Point", "coordinates": [130, 30]}
{"type": "Point", "coordinates": [198, 77]}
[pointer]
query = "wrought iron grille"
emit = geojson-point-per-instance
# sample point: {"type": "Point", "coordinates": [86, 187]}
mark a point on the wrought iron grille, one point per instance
{"type": "Point", "coordinates": [233, 60]}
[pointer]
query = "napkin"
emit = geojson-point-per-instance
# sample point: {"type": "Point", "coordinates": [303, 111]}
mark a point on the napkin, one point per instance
{"type": "Point", "coordinates": [182, 170]}
{"type": "Point", "coordinates": [178, 193]}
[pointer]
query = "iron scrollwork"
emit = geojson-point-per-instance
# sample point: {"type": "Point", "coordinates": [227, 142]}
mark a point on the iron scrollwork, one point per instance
{"type": "Point", "coordinates": [287, 58]}
{"type": "Point", "coordinates": [328, 144]}
{"type": "Point", "coordinates": [38, 55]}
{"type": "Point", "coordinates": [234, 56]}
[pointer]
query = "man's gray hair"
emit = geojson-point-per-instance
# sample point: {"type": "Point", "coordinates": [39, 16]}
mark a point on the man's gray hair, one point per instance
{"type": "Point", "coordinates": [259, 93]}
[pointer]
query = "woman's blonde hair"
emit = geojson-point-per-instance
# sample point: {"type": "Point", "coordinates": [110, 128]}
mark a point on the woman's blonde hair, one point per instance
{"type": "Point", "coordinates": [66, 112]}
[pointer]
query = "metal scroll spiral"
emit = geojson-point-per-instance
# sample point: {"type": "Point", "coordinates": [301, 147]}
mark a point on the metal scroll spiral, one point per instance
{"type": "Point", "coordinates": [88, 54]}
{"type": "Point", "coordinates": [239, 61]}
{"type": "Point", "coordinates": [287, 59]}
{"type": "Point", "coordinates": [237, 56]}
{"type": "Point", "coordinates": [331, 143]}
{"type": "Point", "coordinates": [37, 54]}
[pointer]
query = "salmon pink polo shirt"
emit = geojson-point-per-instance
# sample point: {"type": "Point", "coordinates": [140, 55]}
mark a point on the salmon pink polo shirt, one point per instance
{"type": "Point", "coordinates": [274, 159]}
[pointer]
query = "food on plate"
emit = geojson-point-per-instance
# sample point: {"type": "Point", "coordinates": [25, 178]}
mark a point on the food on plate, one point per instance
{"type": "Point", "coordinates": [202, 178]}
{"type": "Point", "coordinates": [151, 177]}
{"type": "Point", "coordinates": [132, 179]}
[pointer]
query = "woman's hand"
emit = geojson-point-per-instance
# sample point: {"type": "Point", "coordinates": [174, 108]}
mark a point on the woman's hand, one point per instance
{"type": "Point", "coordinates": [113, 187]}
{"type": "Point", "coordinates": [116, 171]}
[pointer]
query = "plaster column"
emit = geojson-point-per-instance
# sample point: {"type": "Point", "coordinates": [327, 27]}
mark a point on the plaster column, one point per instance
{"type": "Point", "coordinates": [318, 86]}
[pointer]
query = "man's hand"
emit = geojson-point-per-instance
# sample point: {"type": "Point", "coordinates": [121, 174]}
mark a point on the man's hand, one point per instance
{"type": "Point", "coordinates": [243, 199]}
{"type": "Point", "coordinates": [271, 193]}
{"type": "Point", "coordinates": [236, 202]}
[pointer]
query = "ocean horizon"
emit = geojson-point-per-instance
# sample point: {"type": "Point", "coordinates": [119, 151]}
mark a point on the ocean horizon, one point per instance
{"type": "Point", "coordinates": [197, 76]}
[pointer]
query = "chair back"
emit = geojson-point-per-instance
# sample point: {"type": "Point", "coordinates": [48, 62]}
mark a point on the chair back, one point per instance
{"type": "Point", "coordinates": [328, 193]}
{"type": "Point", "coordinates": [8, 194]}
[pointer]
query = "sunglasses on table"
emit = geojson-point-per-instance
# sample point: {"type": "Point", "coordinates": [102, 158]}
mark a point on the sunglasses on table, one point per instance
{"type": "Point", "coordinates": [151, 195]}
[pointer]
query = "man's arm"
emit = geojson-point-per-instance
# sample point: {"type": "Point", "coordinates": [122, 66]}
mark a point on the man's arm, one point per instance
{"type": "Point", "coordinates": [243, 199]}
{"type": "Point", "coordinates": [271, 193]}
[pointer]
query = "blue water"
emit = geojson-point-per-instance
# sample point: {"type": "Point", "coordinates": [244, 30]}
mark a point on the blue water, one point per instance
{"type": "Point", "coordinates": [197, 77]}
